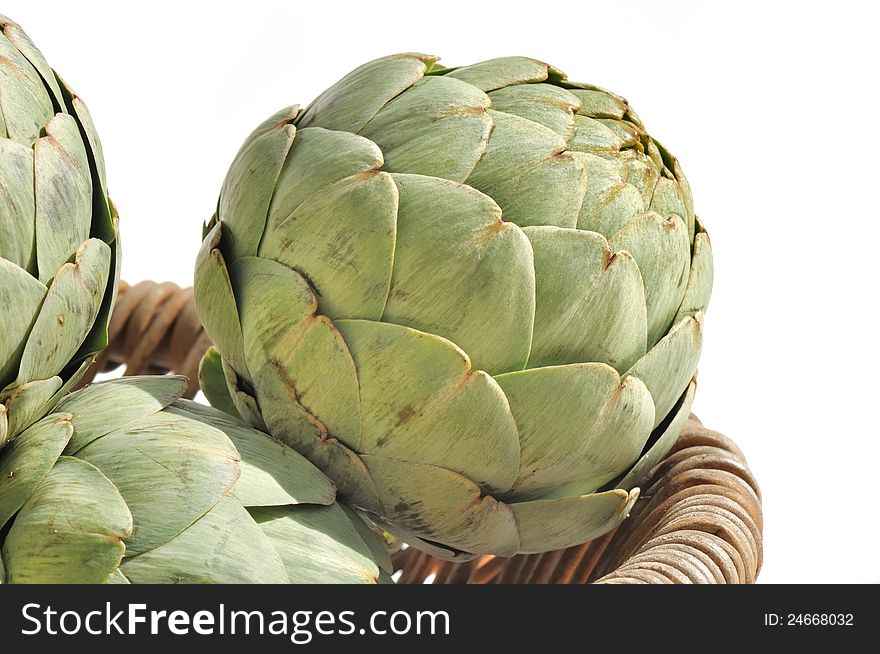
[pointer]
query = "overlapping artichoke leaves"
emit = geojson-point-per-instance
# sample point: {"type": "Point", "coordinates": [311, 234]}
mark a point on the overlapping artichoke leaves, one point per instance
{"type": "Point", "coordinates": [58, 264]}
{"type": "Point", "coordinates": [126, 483]}
{"type": "Point", "coordinates": [471, 296]}
{"type": "Point", "coordinates": [123, 481]}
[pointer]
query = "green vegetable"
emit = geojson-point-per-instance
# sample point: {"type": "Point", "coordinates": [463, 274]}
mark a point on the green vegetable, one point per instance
{"type": "Point", "coordinates": [472, 296]}
{"type": "Point", "coordinates": [59, 259]}
{"type": "Point", "coordinates": [126, 483]}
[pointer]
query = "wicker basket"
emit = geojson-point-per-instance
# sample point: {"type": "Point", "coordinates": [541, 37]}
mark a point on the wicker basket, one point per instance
{"type": "Point", "coordinates": [698, 519]}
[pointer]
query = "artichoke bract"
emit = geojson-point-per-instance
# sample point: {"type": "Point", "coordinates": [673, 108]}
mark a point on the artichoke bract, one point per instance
{"type": "Point", "coordinates": [58, 258]}
{"type": "Point", "coordinates": [124, 482]}
{"type": "Point", "coordinates": [472, 296]}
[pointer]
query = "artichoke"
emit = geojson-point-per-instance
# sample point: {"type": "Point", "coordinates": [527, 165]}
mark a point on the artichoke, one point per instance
{"type": "Point", "coordinates": [58, 258]}
{"type": "Point", "coordinates": [126, 483]}
{"type": "Point", "coordinates": [472, 296]}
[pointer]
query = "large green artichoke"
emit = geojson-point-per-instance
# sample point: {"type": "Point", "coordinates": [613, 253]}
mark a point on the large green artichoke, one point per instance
{"type": "Point", "coordinates": [58, 259]}
{"type": "Point", "coordinates": [125, 482]}
{"type": "Point", "coordinates": [472, 296]}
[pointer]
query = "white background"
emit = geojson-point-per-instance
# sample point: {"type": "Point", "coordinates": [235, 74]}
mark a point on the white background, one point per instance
{"type": "Point", "coordinates": [772, 109]}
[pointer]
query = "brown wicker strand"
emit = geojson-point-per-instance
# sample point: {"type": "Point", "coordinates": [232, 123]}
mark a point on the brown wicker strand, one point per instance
{"type": "Point", "coordinates": [488, 570]}
{"type": "Point", "coordinates": [154, 330]}
{"type": "Point", "coordinates": [589, 562]}
{"type": "Point", "coordinates": [513, 570]}
{"type": "Point", "coordinates": [544, 569]}
{"type": "Point", "coordinates": [698, 519]}
{"type": "Point", "coordinates": [460, 574]}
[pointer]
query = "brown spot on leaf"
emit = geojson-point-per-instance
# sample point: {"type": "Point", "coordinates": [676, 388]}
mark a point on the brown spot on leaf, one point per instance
{"type": "Point", "coordinates": [405, 415]}
{"type": "Point", "coordinates": [367, 174]}
{"type": "Point", "coordinates": [472, 110]}
{"type": "Point", "coordinates": [607, 259]}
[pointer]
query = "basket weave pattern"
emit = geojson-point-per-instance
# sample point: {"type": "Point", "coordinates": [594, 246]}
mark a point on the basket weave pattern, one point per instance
{"type": "Point", "coordinates": [698, 518]}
